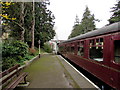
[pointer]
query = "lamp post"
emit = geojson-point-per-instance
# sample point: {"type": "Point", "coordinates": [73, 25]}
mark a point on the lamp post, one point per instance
{"type": "Point", "coordinates": [39, 48]}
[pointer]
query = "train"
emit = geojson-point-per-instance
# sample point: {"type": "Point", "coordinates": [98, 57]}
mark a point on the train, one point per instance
{"type": "Point", "coordinates": [97, 52]}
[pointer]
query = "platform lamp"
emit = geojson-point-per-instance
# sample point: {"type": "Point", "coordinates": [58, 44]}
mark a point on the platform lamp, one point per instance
{"type": "Point", "coordinates": [39, 48]}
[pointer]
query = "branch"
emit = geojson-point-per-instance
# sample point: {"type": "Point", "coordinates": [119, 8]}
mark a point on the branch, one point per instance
{"type": "Point", "coordinates": [25, 13]}
{"type": "Point", "coordinates": [19, 25]}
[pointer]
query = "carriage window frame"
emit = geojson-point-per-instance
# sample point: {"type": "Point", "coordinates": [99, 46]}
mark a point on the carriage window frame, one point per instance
{"type": "Point", "coordinates": [80, 48]}
{"type": "Point", "coordinates": [72, 48]}
{"type": "Point", "coordinates": [68, 49]}
{"type": "Point", "coordinates": [61, 48]}
{"type": "Point", "coordinates": [96, 49]}
{"type": "Point", "coordinates": [116, 56]}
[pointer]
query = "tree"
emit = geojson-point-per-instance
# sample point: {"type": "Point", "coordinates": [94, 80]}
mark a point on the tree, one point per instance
{"type": "Point", "coordinates": [22, 21]}
{"type": "Point", "coordinates": [87, 24]}
{"type": "Point", "coordinates": [75, 28]}
{"type": "Point", "coordinates": [76, 20]}
{"type": "Point", "coordinates": [88, 21]}
{"type": "Point", "coordinates": [33, 25]}
{"type": "Point", "coordinates": [44, 23]}
{"type": "Point", "coordinates": [17, 26]}
{"type": "Point", "coordinates": [43, 29]}
{"type": "Point", "coordinates": [4, 17]}
{"type": "Point", "coordinates": [116, 14]}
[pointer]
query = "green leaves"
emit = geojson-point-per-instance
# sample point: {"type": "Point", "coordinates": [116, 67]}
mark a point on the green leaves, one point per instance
{"type": "Point", "coordinates": [47, 48]}
{"type": "Point", "coordinates": [8, 62]}
{"type": "Point", "coordinates": [87, 24]}
{"type": "Point", "coordinates": [88, 21]}
{"type": "Point", "coordinates": [116, 14]}
{"type": "Point", "coordinates": [16, 48]}
{"type": "Point", "coordinates": [44, 22]}
{"type": "Point", "coordinates": [12, 53]}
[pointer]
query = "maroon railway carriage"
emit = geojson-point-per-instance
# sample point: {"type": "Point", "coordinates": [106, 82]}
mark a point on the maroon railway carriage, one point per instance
{"type": "Point", "coordinates": [98, 52]}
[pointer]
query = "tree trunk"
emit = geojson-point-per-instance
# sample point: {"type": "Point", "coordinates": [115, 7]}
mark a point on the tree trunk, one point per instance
{"type": "Point", "coordinates": [22, 22]}
{"type": "Point", "coordinates": [33, 25]}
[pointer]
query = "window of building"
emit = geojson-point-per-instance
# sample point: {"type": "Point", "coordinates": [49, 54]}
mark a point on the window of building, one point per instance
{"type": "Point", "coordinates": [96, 49]}
{"type": "Point", "coordinates": [81, 48]}
{"type": "Point", "coordinates": [117, 51]}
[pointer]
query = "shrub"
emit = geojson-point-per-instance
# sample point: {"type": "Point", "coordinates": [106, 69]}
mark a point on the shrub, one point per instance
{"type": "Point", "coordinates": [28, 57]}
{"type": "Point", "coordinates": [32, 51]}
{"type": "Point", "coordinates": [47, 48]}
{"type": "Point", "coordinates": [13, 53]}
{"type": "Point", "coordinates": [16, 48]}
{"type": "Point", "coordinates": [8, 62]}
{"type": "Point", "coordinates": [22, 48]}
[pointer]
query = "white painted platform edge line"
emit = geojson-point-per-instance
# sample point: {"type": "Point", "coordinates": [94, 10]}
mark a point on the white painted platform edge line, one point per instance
{"type": "Point", "coordinates": [81, 73]}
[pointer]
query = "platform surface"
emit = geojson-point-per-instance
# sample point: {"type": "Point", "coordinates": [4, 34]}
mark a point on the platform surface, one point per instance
{"type": "Point", "coordinates": [52, 71]}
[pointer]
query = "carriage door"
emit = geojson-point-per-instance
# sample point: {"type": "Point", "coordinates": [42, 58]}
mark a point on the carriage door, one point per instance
{"type": "Point", "coordinates": [115, 60]}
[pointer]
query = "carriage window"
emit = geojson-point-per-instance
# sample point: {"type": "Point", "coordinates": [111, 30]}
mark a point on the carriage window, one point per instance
{"type": "Point", "coordinates": [96, 49]}
{"type": "Point", "coordinates": [117, 51]}
{"type": "Point", "coordinates": [68, 49]}
{"type": "Point", "coordinates": [92, 42]}
{"type": "Point", "coordinates": [61, 49]}
{"type": "Point", "coordinates": [81, 48]}
{"type": "Point", "coordinates": [72, 50]}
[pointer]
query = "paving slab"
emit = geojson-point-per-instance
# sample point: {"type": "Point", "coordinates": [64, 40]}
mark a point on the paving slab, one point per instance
{"type": "Point", "coordinates": [51, 71]}
{"type": "Point", "coordinates": [79, 78]}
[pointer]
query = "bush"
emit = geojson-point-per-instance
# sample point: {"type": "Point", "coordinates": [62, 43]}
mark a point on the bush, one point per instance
{"type": "Point", "coordinates": [8, 62]}
{"type": "Point", "coordinates": [47, 48]}
{"type": "Point", "coordinates": [16, 48]}
{"type": "Point", "coordinates": [28, 57]}
{"type": "Point", "coordinates": [32, 51]}
{"type": "Point", "coordinates": [22, 48]}
{"type": "Point", "coordinates": [13, 53]}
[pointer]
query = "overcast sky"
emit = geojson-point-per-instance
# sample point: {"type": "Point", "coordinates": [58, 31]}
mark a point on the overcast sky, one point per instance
{"type": "Point", "coordinates": [65, 12]}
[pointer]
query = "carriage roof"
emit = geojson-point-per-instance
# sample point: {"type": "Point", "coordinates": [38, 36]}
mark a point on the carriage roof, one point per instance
{"type": "Point", "coordinates": [104, 30]}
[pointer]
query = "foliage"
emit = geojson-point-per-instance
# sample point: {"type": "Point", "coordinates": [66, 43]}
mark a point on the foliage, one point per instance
{"type": "Point", "coordinates": [87, 24]}
{"type": "Point", "coordinates": [12, 53]}
{"type": "Point", "coordinates": [28, 57]}
{"type": "Point", "coordinates": [5, 16]}
{"type": "Point", "coordinates": [6, 5]}
{"type": "Point", "coordinates": [47, 48]}
{"type": "Point", "coordinates": [116, 14]}
{"type": "Point", "coordinates": [8, 62]}
{"type": "Point", "coordinates": [14, 49]}
{"type": "Point", "coordinates": [43, 22]}
{"type": "Point", "coordinates": [77, 30]}
{"type": "Point", "coordinates": [32, 51]}
{"type": "Point", "coordinates": [22, 47]}
{"type": "Point", "coordinates": [88, 21]}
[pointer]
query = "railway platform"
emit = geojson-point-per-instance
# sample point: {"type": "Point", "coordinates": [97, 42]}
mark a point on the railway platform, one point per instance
{"type": "Point", "coordinates": [53, 71]}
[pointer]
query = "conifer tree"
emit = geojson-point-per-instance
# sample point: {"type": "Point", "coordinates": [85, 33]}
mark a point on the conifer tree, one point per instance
{"type": "Point", "coordinates": [116, 14]}
{"type": "Point", "coordinates": [88, 21]}
{"type": "Point", "coordinates": [87, 24]}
